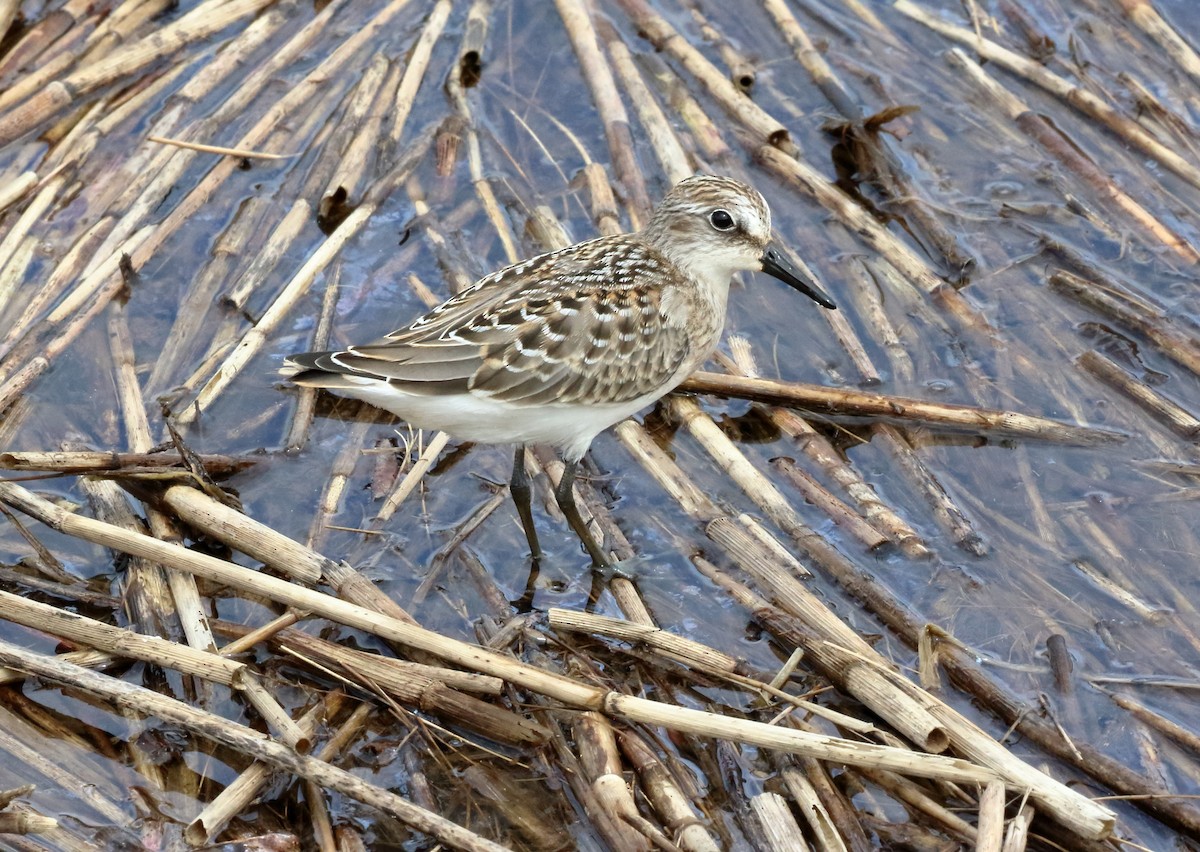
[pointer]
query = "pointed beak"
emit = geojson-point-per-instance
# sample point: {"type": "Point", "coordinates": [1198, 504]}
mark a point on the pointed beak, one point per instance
{"type": "Point", "coordinates": [778, 266]}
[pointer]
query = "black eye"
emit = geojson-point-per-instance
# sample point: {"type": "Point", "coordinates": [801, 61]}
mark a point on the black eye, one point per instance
{"type": "Point", "coordinates": [721, 220]}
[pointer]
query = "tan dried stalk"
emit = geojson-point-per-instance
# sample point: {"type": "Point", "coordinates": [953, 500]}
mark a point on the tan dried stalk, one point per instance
{"type": "Point", "coordinates": [56, 97]}
{"type": "Point", "coordinates": [1067, 153]}
{"type": "Point", "coordinates": [1067, 92]}
{"type": "Point", "coordinates": [820, 452]}
{"type": "Point", "coordinates": [766, 129]}
{"type": "Point", "coordinates": [245, 741]}
{"type": "Point", "coordinates": [1166, 411]}
{"type": "Point", "coordinates": [669, 801]}
{"type": "Point", "coordinates": [902, 410]}
{"type": "Point", "coordinates": [576, 17]}
{"type": "Point", "coordinates": [473, 657]}
{"type": "Point", "coordinates": [415, 68]}
{"type": "Point", "coordinates": [1134, 313]}
{"type": "Point", "coordinates": [243, 790]}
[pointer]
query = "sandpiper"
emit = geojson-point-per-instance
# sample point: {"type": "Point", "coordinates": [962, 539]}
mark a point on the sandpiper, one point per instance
{"type": "Point", "coordinates": [557, 348]}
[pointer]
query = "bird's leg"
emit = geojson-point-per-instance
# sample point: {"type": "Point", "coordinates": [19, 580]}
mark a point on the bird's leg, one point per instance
{"type": "Point", "coordinates": [565, 495]}
{"type": "Point", "coordinates": [522, 495]}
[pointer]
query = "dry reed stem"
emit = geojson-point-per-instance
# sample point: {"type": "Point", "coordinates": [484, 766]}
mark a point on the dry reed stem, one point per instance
{"type": "Point", "coordinates": [1166, 411]}
{"type": "Point", "coordinates": [657, 127]}
{"type": "Point", "coordinates": [50, 761]}
{"type": "Point", "coordinates": [140, 646]}
{"type": "Point", "coordinates": [26, 823]}
{"type": "Point", "coordinates": [361, 122]}
{"type": "Point", "coordinates": [990, 830]}
{"type": "Point", "coordinates": [819, 451]}
{"type": "Point", "coordinates": [864, 226]}
{"type": "Point", "coordinates": [842, 515]}
{"type": "Point", "coordinates": [916, 798]}
{"type": "Point", "coordinates": [552, 685]}
{"type": "Point", "coordinates": [483, 188]}
{"type": "Point", "coordinates": [903, 410]}
{"type": "Point", "coordinates": [597, 747]}
{"type": "Point", "coordinates": [243, 790]}
{"type": "Point", "coordinates": [821, 823]}
{"type": "Point", "coordinates": [96, 461]}
{"type": "Point", "coordinates": [14, 190]}
{"type": "Point", "coordinates": [946, 513]}
{"type": "Point", "coordinates": [185, 597]}
{"type": "Point", "coordinates": [1065, 805]}
{"type": "Point", "coordinates": [1068, 153]}
{"type": "Point", "coordinates": [777, 828]}
{"type": "Point", "coordinates": [217, 149]}
{"type": "Point", "coordinates": [576, 17]}
{"type": "Point", "coordinates": [1142, 13]}
{"type": "Point", "coordinates": [429, 453]}
{"type": "Point", "coordinates": [1067, 92]}
{"type": "Point", "coordinates": [668, 800]}
{"type": "Point", "coordinates": [16, 235]}
{"type": "Point", "coordinates": [1133, 313]}
{"type": "Point", "coordinates": [245, 741]}
{"type": "Point", "coordinates": [683, 650]}
{"type": "Point", "coordinates": [53, 335]}
{"type": "Point", "coordinates": [1186, 737]}
{"type": "Point", "coordinates": [258, 335]}
{"type": "Point", "coordinates": [772, 571]}
{"type": "Point", "coordinates": [415, 68]}
{"type": "Point", "coordinates": [300, 94]}
{"type": "Point", "coordinates": [875, 151]}
{"type": "Point", "coordinates": [54, 98]}
{"type": "Point", "coordinates": [266, 258]}
{"type": "Point", "coordinates": [766, 129]}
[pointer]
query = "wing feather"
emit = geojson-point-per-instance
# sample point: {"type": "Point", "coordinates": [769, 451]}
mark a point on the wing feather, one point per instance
{"type": "Point", "coordinates": [585, 325]}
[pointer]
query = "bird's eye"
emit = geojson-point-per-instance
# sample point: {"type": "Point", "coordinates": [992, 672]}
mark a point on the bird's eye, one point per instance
{"type": "Point", "coordinates": [721, 220]}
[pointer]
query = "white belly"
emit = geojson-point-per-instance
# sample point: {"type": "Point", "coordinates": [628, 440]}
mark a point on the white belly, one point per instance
{"type": "Point", "coordinates": [468, 417]}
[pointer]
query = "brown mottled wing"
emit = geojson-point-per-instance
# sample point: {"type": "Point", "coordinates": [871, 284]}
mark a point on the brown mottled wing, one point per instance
{"type": "Point", "coordinates": [581, 325]}
{"type": "Point", "coordinates": [590, 346]}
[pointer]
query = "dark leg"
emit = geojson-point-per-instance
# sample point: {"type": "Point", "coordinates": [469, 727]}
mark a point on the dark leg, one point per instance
{"type": "Point", "coordinates": [522, 494]}
{"type": "Point", "coordinates": [565, 496]}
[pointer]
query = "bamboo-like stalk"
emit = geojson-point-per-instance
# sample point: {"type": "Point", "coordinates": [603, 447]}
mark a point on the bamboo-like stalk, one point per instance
{"type": "Point", "coordinates": [820, 452]}
{"type": "Point", "coordinates": [597, 746]}
{"type": "Point", "coordinates": [821, 822]}
{"type": "Point", "coordinates": [244, 789]}
{"type": "Point", "coordinates": [1166, 411]}
{"type": "Point", "coordinates": [246, 741]}
{"type": "Point", "coordinates": [952, 519]}
{"type": "Point", "coordinates": [664, 37]}
{"type": "Point", "coordinates": [1080, 814]}
{"type": "Point", "coordinates": [415, 68]}
{"type": "Point", "coordinates": [668, 800]}
{"type": "Point", "coordinates": [1068, 93]}
{"type": "Point", "coordinates": [55, 97]}
{"type": "Point", "coordinates": [555, 686]}
{"type": "Point", "coordinates": [577, 19]}
{"type": "Point", "coordinates": [1143, 13]}
{"type": "Point", "coordinates": [98, 461]}
{"type": "Point", "coordinates": [1066, 152]}
{"type": "Point", "coordinates": [361, 123]}
{"type": "Point", "coordinates": [1132, 312]}
{"type": "Point", "coordinates": [776, 825]}
{"type": "Point", "coordinates": [845, 517]}
{"type": "Point", "coordinates": [901, 410]}
{"type": "Point", "coordinates": [266, 258]}
{"type": "Point", "coordinates": [880, 160]}
{"type": "Point", "coordinates": [17, 233]}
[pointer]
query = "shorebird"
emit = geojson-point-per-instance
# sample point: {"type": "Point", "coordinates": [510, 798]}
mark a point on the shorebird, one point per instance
{"type": "Point", "coordinates": [557, 348]}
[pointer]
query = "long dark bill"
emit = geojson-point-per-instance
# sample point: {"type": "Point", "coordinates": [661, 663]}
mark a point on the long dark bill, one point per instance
{"type": "Point", "coordinates": [778, 266]}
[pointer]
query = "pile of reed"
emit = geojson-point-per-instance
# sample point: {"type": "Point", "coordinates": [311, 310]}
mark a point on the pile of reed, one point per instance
{"type": "Point", "coordinates": [944, 652]}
